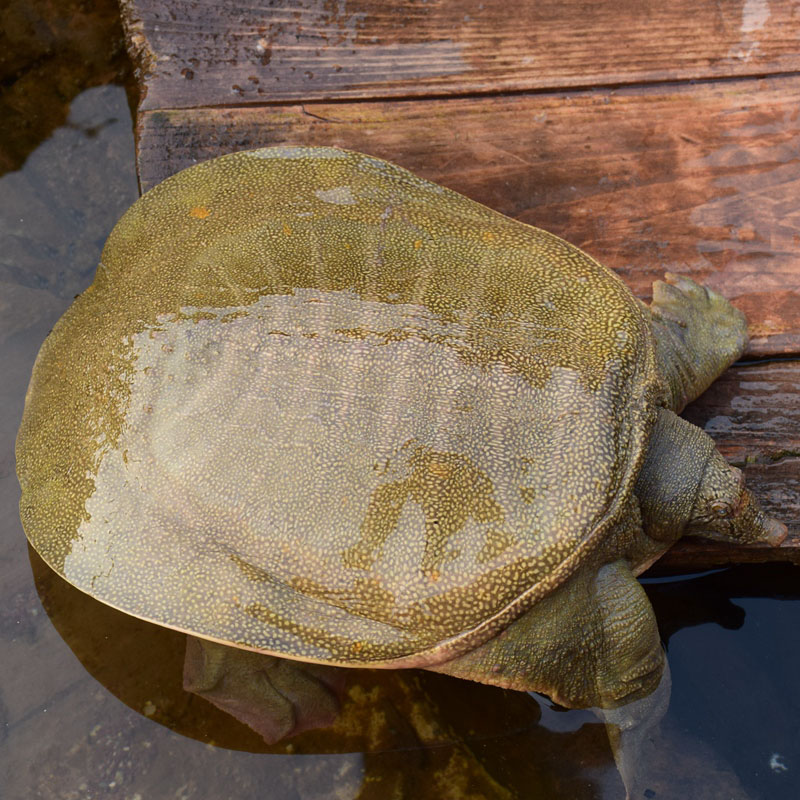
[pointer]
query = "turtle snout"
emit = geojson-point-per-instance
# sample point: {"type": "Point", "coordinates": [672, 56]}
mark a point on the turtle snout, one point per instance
{"type": "Point", "coordinates": [774, 532]}
{"type": "Point", "coordinates": [750, 523]}
{"type": "Point", "coordinates": [765, 528]}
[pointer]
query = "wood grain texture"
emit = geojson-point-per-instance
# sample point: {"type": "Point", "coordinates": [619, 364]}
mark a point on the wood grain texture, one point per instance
{"type": "Point", "coordinates": [699, 179]}
{"type": "Point", "coordinates": [196, 53]}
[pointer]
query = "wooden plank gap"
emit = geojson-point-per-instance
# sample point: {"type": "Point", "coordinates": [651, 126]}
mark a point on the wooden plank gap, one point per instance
{"type": "Point", "coordinates": [561, 92]}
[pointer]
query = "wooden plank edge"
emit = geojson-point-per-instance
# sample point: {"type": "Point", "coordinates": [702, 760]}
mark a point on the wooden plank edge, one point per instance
{"type": "Point", "coordinates": [695, 555]}
{"type": "Point", "coordinates": [191, 55]}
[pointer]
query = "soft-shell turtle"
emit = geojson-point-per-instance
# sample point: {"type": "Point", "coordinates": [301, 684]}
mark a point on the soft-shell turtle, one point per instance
{"type": "Point", "coordinates": [317, 407]}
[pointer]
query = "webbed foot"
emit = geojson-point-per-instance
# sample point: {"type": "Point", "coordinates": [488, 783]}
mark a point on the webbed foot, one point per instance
{"type": "Point", "coordinates": [274, 696]}
{"type": "Point", "coordinates": [698, 334]}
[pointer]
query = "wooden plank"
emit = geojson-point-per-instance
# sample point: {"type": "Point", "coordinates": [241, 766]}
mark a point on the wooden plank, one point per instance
{"type": "Point", "coordinates": [193, 53]}
{"type": "Point", "coordinates": [699, 179]}
{"type": "Point", "coordinates": [753, 414]}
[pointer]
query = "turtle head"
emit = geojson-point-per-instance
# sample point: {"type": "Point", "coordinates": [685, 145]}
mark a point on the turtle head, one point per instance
{"type": "Point", "coordinates": [726, 510]}
{"type": "Point", "coordinates": [686, 487]}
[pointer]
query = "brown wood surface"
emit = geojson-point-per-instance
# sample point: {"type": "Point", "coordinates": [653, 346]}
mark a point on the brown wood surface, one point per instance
{"type": "Point", "coordinates": [198, 53]}
{"type": "Point", "coordinates": [701, 178]}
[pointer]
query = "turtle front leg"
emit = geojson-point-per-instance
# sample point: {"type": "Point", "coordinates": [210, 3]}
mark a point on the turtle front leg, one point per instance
{"type": "Point", "coordinates": [274, 696]}
{"type": "Point", "coordinates": [698, 335]}
{"type": "Point", "coordinates": [592, 643]}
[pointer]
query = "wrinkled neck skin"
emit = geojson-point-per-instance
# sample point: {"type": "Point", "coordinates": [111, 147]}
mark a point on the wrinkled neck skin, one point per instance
{"type": "Point", "coordinates": [668, 482]}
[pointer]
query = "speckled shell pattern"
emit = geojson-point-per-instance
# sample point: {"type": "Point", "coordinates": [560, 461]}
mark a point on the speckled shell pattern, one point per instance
{"type": "Point", "coordinates": [316, 406]}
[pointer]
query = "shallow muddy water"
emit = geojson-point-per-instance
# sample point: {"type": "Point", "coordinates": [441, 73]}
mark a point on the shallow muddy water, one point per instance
{"type": "Point", "coordinates": [91, 704]}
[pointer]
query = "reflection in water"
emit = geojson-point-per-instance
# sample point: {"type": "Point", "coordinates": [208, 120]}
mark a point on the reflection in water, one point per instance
{"type": "Point", "coordinates": [52, 50]}
{"type": "Point", "coordinates": [415, 732]}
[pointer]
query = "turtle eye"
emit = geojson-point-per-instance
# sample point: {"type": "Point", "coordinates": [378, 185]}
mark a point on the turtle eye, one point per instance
{"type": "Point", "coordinates": [720, 509]}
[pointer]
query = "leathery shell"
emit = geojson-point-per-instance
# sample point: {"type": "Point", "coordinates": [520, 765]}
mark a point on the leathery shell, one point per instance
{"type": "Point", "coordinates": [317, 406]}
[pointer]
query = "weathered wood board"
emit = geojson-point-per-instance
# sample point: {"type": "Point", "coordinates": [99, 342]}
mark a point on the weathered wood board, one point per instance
{"type": "Point", "coordinates": [197, 54]}
{"type": "Point", "coordinates": [696, 177]}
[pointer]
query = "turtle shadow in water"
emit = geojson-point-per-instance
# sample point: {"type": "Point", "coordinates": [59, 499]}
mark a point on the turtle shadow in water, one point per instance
{"type": "Point", "coordinates": [421, 734]}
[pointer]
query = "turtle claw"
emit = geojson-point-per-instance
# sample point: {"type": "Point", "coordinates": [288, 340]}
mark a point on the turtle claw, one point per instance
{"type": "Point", "coordinates": [681, 300]}
{"type": "Point", "coordinates": [698, 335]}
{"type": "Point", "coordinates": [691, 305]}
{"type": "Point", "coordinates": [687, 286]}
{"type": "Point", "coordinates": [647, 746]}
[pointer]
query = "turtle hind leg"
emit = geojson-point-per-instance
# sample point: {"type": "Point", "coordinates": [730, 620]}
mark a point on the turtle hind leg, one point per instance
{"type": "Point", "coordinates": [698, 335]}
{"type": "Point", "coordinates": [276, 697]}
{"type": "Point", "coordinates": [592, 643]}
